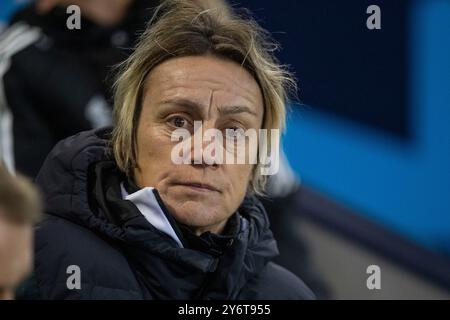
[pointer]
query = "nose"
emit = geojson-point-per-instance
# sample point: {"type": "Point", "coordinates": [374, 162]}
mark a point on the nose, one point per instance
{"type": "Point", "coordinates": [206, 149]}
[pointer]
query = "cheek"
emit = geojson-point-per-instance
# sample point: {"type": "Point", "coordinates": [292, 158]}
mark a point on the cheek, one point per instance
{"type": "Point", "coordinates": [238, 178]}
{"type": "Point", "coordinates": [152, 137]}
{"type": "Point", "coordinates": [154, 140]}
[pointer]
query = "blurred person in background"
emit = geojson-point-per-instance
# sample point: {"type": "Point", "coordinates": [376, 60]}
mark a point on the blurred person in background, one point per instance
{"type": "Point", "coordinates": [54, 78]}
{"type": "Point", "coordinates": [20, 209]}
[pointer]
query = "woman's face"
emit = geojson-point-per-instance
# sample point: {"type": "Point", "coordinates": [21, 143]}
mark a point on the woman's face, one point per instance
{"type": "Point", "coordinates": [222, 95]}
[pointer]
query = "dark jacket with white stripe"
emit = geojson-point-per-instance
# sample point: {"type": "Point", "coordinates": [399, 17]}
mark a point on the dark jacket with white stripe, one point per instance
{"type": "Point", "coordinates": [53, 80]}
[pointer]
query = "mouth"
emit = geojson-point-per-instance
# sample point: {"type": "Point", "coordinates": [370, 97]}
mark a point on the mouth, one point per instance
{"type": "Point", "coordinates": [197, 186]}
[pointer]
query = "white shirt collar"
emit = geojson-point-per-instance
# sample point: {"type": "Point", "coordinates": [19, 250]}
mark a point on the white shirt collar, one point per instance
{"type": "Point", "coordinates": [147, 204]}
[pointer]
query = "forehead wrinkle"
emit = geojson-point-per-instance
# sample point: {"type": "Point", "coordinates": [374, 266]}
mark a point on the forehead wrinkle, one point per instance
{"type": "Point", "coordinates": [187, 76]}
{"type": "Point", "coordinates": [210, 104]}
{"type": "Point", "coordinates": [185, 80]}
{"type": "Point", "coordinates": [233, 88]}
{"type": "Point", "coordinates": [182, 92]}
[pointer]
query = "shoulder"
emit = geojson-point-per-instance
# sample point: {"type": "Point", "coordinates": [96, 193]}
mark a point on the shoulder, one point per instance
{"type": "Point", "coordinates": [18, 47]}
{"type": "Point", "coordinates": [63, 248]}
{"type": "Point", "coordinates": [23, 35]}
{"type": "Point", "coordinates": [276, 283]}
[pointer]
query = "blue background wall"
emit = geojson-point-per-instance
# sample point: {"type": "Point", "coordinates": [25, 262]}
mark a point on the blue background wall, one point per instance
{"type": "Point", "coordinates": [404, 185]}
{"type": "Point", "coordinates": [8, 7]}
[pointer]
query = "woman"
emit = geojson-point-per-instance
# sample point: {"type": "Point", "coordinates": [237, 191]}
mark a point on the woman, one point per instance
{"type": "Point", "coordinates": [127, 222]}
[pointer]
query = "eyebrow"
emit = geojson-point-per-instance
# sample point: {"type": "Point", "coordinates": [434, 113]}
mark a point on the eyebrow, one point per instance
{"type": "Point", "coordinates": [223, 110]}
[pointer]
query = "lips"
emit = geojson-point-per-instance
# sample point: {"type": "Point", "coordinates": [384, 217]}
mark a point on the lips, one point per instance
{"type": "Point", "coordinates": [198, 186]}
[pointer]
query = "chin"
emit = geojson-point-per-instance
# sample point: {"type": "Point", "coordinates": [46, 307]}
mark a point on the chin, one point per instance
{"type": "Point", "coordinates": [197, 214]}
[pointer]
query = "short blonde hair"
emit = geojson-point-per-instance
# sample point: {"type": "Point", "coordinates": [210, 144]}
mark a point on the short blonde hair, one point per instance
{"type": "Point", "coordinates": [192, 28]}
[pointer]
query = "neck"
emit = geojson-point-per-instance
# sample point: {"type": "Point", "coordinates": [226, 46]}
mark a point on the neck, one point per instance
{"type": "Point", "coordinates": [216, 228]}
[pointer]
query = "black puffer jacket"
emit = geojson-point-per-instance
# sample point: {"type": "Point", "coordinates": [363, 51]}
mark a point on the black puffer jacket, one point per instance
{"type": "Point", "coordinates": [122, 256]}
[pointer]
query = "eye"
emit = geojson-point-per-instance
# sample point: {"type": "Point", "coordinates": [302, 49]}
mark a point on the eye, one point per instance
{"type": "Point", "coordinates": [178, 122]}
